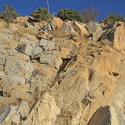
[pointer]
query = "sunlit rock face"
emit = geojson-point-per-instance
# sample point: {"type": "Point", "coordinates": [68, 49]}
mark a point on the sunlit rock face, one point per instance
{"type": "Point", "coordinates": [70, 74]}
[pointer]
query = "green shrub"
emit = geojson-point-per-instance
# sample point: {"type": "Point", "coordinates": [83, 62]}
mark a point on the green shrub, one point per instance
{"type": "Point", "coordinates": [41, 14]}
{"type": "Point", "coordinates": [112, 18]}
{"type": "Point", "coordinates": [72, 15]}
{"type": "Point", "coordinates": [9, 14]}
{"type": "Point", "coordinates": [90, 14]}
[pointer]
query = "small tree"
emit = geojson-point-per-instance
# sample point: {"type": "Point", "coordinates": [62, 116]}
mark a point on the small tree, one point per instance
{"type": "Point", "coordinates": [112, 18]}
{"type": "Point", "coordinates": [41, 14]}
{"type": "Point", "coordinates": [72, 15]}
{"type": "Point", "coordinates": [90, 14]}
{"type": "Point", "coordinates": [9, 14]}
{"type": "Point", "coordinates": [120, 18]}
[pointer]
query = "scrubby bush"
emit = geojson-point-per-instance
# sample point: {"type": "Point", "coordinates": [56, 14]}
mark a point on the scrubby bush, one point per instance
{"type": "Point", "coordinates": [41, 14]}
{"type": "Point", "coordinates": [90, 14]}
{"type": "Point", "coordinates": [112, 18]}
{"type": "Point", "coordinates": [72, 15]}
{"type": "Point", "coordinates": [9, 14]}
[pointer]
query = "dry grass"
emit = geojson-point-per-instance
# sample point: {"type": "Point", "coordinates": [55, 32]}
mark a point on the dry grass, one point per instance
{"type": "Point", "coordinates": [29, 31]}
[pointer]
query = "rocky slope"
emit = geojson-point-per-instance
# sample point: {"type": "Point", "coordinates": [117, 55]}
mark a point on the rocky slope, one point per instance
{"type": "Point", "coordinates": [62, 73]}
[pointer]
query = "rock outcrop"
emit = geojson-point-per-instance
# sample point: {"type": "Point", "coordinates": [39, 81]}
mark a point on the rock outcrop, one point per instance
{"type": "Point", "coordinates": [73, 74]}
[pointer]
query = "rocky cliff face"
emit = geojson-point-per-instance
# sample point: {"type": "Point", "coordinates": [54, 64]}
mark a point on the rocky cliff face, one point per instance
{"type": "Point", "coordinates": [62, 73]}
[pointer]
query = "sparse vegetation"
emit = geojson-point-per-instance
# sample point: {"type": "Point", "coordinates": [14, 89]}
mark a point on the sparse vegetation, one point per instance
{"type": "Point", "coordinates": [40, 14]}
{"type": "Point", "coordinates": [9, 14]}
{"type": "Point", "coordinates": [90, 14]}
{"type": "Point", "coordinates": [72, 15]}
{"type": "Point", "coordinates": [29, 31]}
{"type": "Point", "coordinates": [112, 18]}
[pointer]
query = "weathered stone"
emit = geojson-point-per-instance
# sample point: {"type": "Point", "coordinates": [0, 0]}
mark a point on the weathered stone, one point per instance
{"type": "Point", "coordinates": [104, 116]}
{"type": "Point", "coordinates": [5, 114]}
{"type": "Point", "coordinates": [58, 21]}
{"type": "Point", "coordinates": [48, 110]}
{"type": "Point", "coordinates": [13, 80]}
{"type": "Point", "coordinates": [28, 39]}
{"type": "Point", "coordinates": [65, 94]}
{"type": "Point", "coordinates": [24, 109]}
{"type": "Point", "coordinates": [49, 59]}
{"type": "Point", "coordinates": [32, 39]}
{"type": "Point", "coordinates": [16, 119]}
{"type": "Point", "coordinates": [95, 30]}
{"type": "Point", "coordinates": [36, 53]}
{"type": "Point", "coordinates": [13, 66]}
{"type": "Point", "coordinates": [81, 28]}
{"type": "Point", "coordinates": [63, 31]}
{"type": "Point", "coordinates": [8, 115]}
{"type": "Point", "coordinates": [119, 36]}
{"type": "Point", "coordinates": [106, 62]}
{"type": "Point", "coordinates": [26, 49]}
{"type": "Point", "coordinates": [47, 45]}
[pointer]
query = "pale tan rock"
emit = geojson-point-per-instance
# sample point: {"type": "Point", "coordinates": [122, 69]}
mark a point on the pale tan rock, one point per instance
{"type": "Point", "coordinates": [24, 108]}
{"type": "Point", "coordinates": [81, 28]}
{"type": "Point", "coordinates": [106, 62]}
{"type": "Point", "coordinates": [96, 31]}
{"type": "Point", "coordinates": [48, 110]}
{"type": "Point", "coordinates": [58, 21]}
{"type": "Point", "coordinates": [63, 31]}
{"type": "Point", "coordinates": [119, 37]}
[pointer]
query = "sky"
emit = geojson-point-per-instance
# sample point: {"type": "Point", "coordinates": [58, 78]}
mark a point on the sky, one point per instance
{"type": "Point", "coordinates": [105, 7]}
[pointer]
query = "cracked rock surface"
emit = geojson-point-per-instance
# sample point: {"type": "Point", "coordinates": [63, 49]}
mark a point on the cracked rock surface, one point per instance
{"type": "Point", "coordinates": [69, 77]}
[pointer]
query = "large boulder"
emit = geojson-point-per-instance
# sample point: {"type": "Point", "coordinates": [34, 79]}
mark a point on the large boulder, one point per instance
{"type": "Point", "coordinates": [114, 35]}
{"type": "Point", "coordinates": [57, 21]}
{"type": "Point", "coordinates": [26, 49]}
{"type": "Point", "coordinates": [50, 59]}
{"type": "Point", "coordinates": [104, 116]}
{"type": "Point", "coordinates": [47, 45]}
{"type": "Point", "coordinates": [63, 31]}
{"type": "Point", "coordinates": [81, 28]}
{"type": "Point", "coordinates": [106, 63]}
{"type": "Point", "coordinates": [96, 31]}
{"type": "Point", "coordinates": [119, 36]}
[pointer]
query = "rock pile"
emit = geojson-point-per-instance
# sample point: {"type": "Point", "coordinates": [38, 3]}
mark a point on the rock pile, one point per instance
{"type": "Point", "coordinates": [64, 73]}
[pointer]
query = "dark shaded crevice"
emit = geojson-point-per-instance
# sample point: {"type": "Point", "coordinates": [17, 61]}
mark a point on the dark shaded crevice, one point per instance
{"type": "Point", "coordinates": [91, 76]}
{"type": "Point", "coordinates": [65, 62]}
{"type": "Point", "coordinates": [1, 93]}
{"type": "Point", "coordinates": [91, 35]}
{"type": "Point", "coordinates": [115, 73]}
{"type": "Point", "coordinates": [86, 101]}
{"type": "Point", "coordinates": [99, 39]}
{"type": "Point", "coordinates": [4, 66]}
{"type": "Point", "coordinates": [37, 59]}
{"type": "Point", "coordinates": [34, 73]}
{"type": "Point", "coordinates": [92, 55]}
